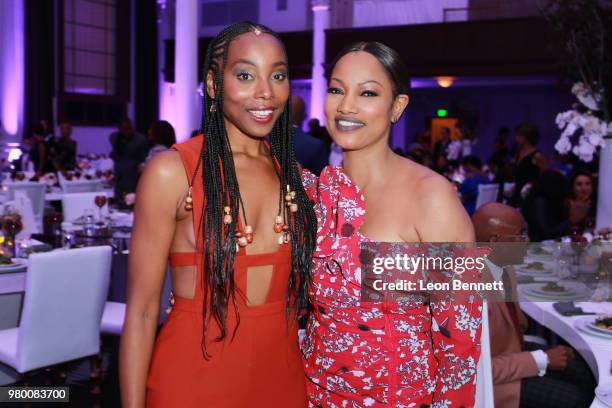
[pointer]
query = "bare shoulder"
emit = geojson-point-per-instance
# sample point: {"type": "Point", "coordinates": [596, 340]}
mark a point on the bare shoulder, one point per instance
{"type": "Point", "coordinates": [438, 213]}
{"type": "Point", "coordinates": [165, 166]}
{"type": "Point", "coordinates": [423, 182]}
{"type": "Point", "coordinates": [163, 175]}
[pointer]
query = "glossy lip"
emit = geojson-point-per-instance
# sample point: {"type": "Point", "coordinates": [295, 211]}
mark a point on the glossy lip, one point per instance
{"type": "Point", "coordinates": [262, 119]}
{"type": "Point", "coordinates": [342, 128]}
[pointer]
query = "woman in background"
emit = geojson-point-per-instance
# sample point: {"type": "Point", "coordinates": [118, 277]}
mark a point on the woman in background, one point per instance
{"type": "Point", "coordinates": [161, 138]}
{"type": "Point", "coordinates": [582, 198]}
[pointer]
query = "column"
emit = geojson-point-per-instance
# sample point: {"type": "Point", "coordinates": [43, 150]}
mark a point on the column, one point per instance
{"type": "Point", "coordinates": [186, 68]}
{"type": "Point", "coordinates": [604, 199]}
{"type": "Point", "coordinates": [320, 11]}
{"type": "Point", "coordinates": [12, 69]}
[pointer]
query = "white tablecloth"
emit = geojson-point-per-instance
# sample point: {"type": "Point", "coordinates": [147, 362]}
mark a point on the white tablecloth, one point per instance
{"type": "Point", "coordinates": [596, 351]}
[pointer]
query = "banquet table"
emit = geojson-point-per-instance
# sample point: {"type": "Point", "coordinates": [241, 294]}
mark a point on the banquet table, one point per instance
{"type": "Point", "coordinates": [56, 194]}
{"type": "Point", "coordinates": [597, 351]}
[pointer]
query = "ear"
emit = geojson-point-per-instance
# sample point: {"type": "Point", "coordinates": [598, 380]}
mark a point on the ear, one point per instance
{"type": "Point", "coordinates": [210, 84]}
{"type": "Point", "coordinates": [399, 104]}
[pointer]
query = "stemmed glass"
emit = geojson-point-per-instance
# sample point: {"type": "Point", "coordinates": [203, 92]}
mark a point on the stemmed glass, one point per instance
{"type": "Point", "coordinates": [100, 201]}
{"type": "Point", "coordinates": [11, 225]}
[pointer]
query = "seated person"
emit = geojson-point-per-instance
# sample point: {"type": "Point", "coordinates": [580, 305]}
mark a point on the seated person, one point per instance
{"type": "Point", "coordinates": [474, 176]}
{"type": "Point", "coordinates": [555, 377]}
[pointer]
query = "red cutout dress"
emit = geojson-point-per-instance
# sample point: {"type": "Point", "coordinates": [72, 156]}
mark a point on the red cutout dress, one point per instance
{"type": "Point", "coordinates": [378, 354]}
{"type": "Point", "coordinates": [260, 367]}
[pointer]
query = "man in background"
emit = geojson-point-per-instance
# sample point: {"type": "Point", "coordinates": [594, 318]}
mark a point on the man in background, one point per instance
{"type": "Point", "coordinates": [65, 148]}
{"type": "Point", "coordinates": [312, 153]}
{"type": "Point", "coordinates": [129, 152]}
{"type": "Point", "coordinates": [523, 374]}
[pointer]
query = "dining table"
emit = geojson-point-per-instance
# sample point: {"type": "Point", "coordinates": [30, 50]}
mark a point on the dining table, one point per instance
{"type": "Point", "coordinates": [572, 314]}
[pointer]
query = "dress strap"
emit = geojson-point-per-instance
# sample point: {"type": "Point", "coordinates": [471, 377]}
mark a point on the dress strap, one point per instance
{"type": "Point", "coordinates": [183, 259]}
{"type": "Point", "coordinates": [190, 152]}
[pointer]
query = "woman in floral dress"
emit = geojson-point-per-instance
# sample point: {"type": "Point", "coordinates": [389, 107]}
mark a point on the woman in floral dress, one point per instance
{"type": "Point", "coordinates": [420, 353]}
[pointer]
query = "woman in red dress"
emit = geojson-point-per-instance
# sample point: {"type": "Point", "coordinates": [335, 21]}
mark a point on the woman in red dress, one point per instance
{"type": "Point", "coordinates": [231, 214]}
{"type": "Point", "coordinates": [382, 354]}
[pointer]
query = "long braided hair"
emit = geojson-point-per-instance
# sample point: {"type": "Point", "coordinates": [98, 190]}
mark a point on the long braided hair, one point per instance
{"type": "Point", "coordinates": [221, 190]}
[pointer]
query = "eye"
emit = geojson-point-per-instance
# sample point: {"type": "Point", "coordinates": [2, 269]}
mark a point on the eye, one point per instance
{"type": "Point", "coordinates": [369, 93]}
{"type": "Point", "coordinates": [244, 76]}
{"type": "Point", "coordinates": [334, 91]}
{"type": "Point", "coordinates": [281, 76]}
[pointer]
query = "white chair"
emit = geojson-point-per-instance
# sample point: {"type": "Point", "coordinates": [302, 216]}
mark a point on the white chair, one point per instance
{"type": "Point", "coordinates": [80, 186]}
{"type": "Point", "coordinates": [63, 304]}
{"type": "Point", "coordinates": [508, 187]}
{"type": "Point", "coordinates": [484, 374]}
{"type": "Point", "coordinates": [486, 193]}
{"type": "Point", "coordinates": [74, 205]}
{"type": "Point", "coordinates": [113, 318]}
{"type": "Point", "coordinates": [35, 192]}
{"type": "Point", "coordinates": [114, 312]}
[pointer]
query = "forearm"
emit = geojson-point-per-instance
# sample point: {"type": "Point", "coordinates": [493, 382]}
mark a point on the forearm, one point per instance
{"type": "Point", "coordinates": [137, 344]}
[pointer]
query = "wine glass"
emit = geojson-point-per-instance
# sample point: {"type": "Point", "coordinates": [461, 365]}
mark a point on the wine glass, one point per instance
{"type": "Point", "coordinates": [11, 225]}
{"type": "Point", "coordinates": [100, 201]}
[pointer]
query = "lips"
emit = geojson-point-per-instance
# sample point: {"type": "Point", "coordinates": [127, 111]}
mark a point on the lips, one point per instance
{"type": "Point", "coordinates": [348, 124]}
{"type": "Point", "coordinates": [262, 115]}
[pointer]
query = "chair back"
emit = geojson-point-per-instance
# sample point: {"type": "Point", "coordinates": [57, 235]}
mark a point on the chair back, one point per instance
{"type": "Point", "coordinates": [63, 304]}
{"type": "Point", "coordinates": [35, 192]}
{"type": "Point", "coordinates": [486, 193]}
{"type": "Point", "coordinates": [508, 187]}
{"type": "Point", "coordinates": [74, 205]}
{"type": "Point", "coordinates": [80, 186]}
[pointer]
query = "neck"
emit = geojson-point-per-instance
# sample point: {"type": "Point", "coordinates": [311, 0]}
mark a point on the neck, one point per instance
{"type": "Point", "coordinates": [369, 165]}
{"type": "Point", "coordinates": [242, 143]}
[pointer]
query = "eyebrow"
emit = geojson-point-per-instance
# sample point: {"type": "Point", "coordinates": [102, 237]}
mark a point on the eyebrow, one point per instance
{"type": "Point", "coordinates": [361, 83]}
{"type": "Point", "coordinates": [249, 62]}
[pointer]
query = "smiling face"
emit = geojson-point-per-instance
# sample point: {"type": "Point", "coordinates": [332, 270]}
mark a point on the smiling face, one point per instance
{"type": "Point", "coordinates": [360, 105]}
{"type": "Point", "coordinates": [255, 82]}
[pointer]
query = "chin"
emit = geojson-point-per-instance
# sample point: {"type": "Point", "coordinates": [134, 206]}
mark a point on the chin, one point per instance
{"type": "Point", "coordinates": [349, 142]}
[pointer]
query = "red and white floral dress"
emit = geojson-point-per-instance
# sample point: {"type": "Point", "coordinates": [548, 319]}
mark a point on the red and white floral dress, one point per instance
{"type": "Point", "coordinates": [378, 354]}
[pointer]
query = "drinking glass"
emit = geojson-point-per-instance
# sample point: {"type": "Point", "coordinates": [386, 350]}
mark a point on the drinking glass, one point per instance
{"type": "Point", "coordinates": [100, 201]}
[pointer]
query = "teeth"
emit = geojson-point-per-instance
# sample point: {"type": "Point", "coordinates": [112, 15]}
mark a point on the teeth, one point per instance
{"type": "Point", "coordinates": [261, 113]}
{"type": "Point", "coordinates": [347, 123]}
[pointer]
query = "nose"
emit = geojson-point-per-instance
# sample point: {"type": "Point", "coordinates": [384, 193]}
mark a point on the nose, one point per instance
{"type": "Point", "coordinates": [263, 90]}
{"type": "Point", "coordinates": [347, 104]}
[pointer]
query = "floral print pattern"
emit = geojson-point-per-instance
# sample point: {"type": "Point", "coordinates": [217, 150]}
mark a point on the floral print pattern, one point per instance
{"type": "Point", "coordinates": [416, 353]}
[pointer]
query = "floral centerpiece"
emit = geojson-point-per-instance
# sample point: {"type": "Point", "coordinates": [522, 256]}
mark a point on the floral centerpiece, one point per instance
{"type": "Point", "coordinates": [584, 28]}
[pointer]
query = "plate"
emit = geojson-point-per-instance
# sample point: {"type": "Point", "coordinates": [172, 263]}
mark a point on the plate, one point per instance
{"type": "Point", "coordinates": [582, 324]}
{"type": "Point", "coordinates": [604, 394]}
{"type": "Point", "coordinates": [12, 267]}
{"type": "Point", "coordinates": [571, 289]}
{"type": "Point", "coordinates": [533, 272]}
{"type": "Point", "coordinates": [530, 291]}
{"type": "Point", "coordinates": [591, 325]}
